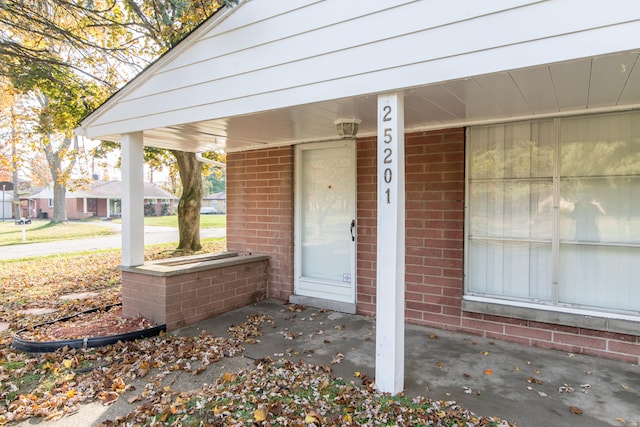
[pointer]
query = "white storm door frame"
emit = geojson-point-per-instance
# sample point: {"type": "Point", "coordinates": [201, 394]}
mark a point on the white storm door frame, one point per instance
{"type": "Point", "coordinates": [339, 289]}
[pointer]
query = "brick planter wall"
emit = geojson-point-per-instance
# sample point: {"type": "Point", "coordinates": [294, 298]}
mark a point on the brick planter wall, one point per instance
{"type": "Point", "coordinates": [184, 294]}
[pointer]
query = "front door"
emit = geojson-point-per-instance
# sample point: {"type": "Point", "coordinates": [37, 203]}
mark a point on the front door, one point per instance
{"type": "Point", "coordinates": [325, 232]}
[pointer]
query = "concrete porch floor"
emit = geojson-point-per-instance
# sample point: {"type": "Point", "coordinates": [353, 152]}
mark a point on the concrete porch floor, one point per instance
{"type": "Point", "coordinates": [523, 385]}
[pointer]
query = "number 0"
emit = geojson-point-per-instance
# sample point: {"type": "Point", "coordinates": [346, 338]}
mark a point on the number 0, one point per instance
{"type": "Point", "coordinates": [388, 175]}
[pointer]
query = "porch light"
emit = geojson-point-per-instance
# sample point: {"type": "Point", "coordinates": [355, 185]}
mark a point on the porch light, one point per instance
{"type": "Point", "coordinates": [347, 128]}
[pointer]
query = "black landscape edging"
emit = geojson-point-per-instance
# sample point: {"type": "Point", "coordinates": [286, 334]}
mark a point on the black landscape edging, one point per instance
{"type": "Point", "coordinates": [87, 342]}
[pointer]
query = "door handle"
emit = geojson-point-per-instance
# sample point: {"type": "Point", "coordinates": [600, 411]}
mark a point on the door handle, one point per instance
{"type": "Point", "coordinates": [353, 226]}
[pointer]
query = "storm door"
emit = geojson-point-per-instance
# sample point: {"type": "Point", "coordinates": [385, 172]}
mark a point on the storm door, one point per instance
{"type": "Point", "coordinates": [325, 227]}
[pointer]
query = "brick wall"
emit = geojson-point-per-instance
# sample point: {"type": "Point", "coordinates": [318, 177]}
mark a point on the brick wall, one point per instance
{"type": "Point", "coordinates": [260, 211]}
{"type": "Point", "coordinates": [435, 249]}
{"type": "Point", "coordinates": [434, 226]}
{"type": "Point", "coordinates": [260, 220]}
{"type": "Point", "coordinates": [183, 299]}
{"type": "Point", "coordinates": [366, 206]}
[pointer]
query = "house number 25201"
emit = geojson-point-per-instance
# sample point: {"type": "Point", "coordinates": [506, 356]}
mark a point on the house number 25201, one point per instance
{"type": "Point", "coordinates": [387, 158]}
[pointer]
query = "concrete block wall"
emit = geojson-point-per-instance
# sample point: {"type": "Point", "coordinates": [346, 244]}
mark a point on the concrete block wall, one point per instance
{"type": "Point", "coordinates": [182, 299]}
{"type": "Point", "coordinates": [260, 211]}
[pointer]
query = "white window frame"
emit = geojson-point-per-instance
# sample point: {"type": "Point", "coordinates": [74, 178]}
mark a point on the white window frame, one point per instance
{"type": "Point", "coordinates": [552, 311]}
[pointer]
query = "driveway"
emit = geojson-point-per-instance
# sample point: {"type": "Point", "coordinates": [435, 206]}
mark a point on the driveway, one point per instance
{"type": "Point", "coordinates": [152, 235]}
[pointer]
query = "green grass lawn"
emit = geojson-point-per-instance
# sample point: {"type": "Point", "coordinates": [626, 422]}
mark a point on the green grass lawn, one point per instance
{"type": "Point", "coordinates": [206, 221]}
{"type": "Point", "coordinates": [45, 231]}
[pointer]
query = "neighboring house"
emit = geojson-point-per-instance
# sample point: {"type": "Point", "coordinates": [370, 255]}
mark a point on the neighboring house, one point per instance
{"type": "Point", "coordinates": [217, 201]}
{"type": "Point", "coordinates": [101, 199]}
{"type": "Point", "coordinates": [6, 204]}
{"type": "Point", "coordinates": [493, 186]}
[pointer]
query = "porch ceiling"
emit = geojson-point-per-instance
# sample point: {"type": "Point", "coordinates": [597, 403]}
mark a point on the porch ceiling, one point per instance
{"type": "Point", "coordinates": [605, 83]}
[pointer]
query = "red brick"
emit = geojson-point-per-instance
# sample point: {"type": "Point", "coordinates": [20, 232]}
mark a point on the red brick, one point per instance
{"type": "Point", "coordinates": [482, 325]}
{"type": "Point", "coordinates": [519, 331]}
{"type": "Point", "coordinates": [624, 347]}
{"type": "Point", "coordinates": [609, 335]}
{"type": "Point", "coordinates": [553, 327]}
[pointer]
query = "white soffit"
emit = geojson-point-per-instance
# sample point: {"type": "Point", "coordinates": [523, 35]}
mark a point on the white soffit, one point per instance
{"type": "Point", "coordinates": [607, 83]}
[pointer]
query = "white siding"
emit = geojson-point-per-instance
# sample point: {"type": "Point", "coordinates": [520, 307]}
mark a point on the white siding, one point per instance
{"type": "Point", "coordinates": [266, 55]}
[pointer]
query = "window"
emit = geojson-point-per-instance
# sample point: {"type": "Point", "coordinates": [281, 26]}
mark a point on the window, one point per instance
{"type": "Point", "coordinates": [50, 203]}
{"type": "Point", "coordinates": [553, 212]}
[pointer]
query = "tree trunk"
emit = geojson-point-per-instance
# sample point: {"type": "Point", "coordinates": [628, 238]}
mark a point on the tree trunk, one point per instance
{"type": "Point", "coordinates": [59, 195]}
{"type": "Point", "coordinates": [59, 203]}
{"type": "Point", "coordinates": [14, 177]}
{"type": "Point", "coordinates": [189, 205]}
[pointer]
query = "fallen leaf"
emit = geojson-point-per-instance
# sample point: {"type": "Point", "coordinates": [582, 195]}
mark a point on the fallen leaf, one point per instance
{"type": "Point", "coordinates": [338, 358]}
{"type": "Point", "coordinates": [134, 399]}
{"type": "Point", "coordinates": [622, 421]}
{"type": "Point", "coordinates": [534, 380]}
{"type": "Point", "coordinates": [261, 414]}
{"type": "Point", "coordinates": [228, 377]}
{"type": "Point", "coordinates": [484, 353]}
{"type": "Point", "coordinates": [624, 386]}
{"type": "Point", "coordinates": [312, 417]}
{"type": "Point", "coordinates": [575, 410]}
{"type": "Point", "coordinates": [488, 371]}
{"type": "Point", "coordinates": [433, 336]}
{"type": "Point", "coordinates": [440, 365]}
{"type": "Point", "coordinates": [566, 388]}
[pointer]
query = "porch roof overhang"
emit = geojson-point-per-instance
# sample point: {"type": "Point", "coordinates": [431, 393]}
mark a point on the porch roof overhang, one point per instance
{"type": "Point", "coordinates": [581, 86]}
{"type": "Point", "coordinates": [264, 74]}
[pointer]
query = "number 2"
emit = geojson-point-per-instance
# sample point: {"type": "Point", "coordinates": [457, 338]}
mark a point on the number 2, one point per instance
{"type": "Point", "coordinates": [387, 113]}
{"type": "Point", "coordinates": [387, 157]}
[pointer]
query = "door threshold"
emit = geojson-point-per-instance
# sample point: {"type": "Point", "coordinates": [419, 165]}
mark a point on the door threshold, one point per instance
{"type": "Point", "coordinates": [342, 307]}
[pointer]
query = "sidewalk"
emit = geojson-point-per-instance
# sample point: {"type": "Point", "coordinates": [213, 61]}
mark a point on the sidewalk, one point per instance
{"type": "Point", "coordinates": [152, 235]}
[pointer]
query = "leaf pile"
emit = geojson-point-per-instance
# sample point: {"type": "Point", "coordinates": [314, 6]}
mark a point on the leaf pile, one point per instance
{"type": "Point", "coordinates": [99, 323]}
{"type": "Point", "coordinates": [285, 393]}
{"type": "Point", "coordinates": [54, 384]}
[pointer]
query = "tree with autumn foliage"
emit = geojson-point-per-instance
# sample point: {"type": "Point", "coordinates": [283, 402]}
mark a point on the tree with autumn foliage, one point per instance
{"type": "Point", "coordinates": [54, 48]}
{"type": "Point", "coordinates": [49, 52]}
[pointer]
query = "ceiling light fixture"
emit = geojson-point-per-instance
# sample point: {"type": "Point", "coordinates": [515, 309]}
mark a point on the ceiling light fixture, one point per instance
{"type": "Point", "coordinates": [347, 128]}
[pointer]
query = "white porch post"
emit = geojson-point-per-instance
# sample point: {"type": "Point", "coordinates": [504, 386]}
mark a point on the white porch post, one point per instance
{"type": "Point", "coordinates": [108, 207]}
{"type": "Point", "coordinates": [132, 199]}
{"type": "Point", "coordinates": [391, 245]}
{"type": "Point", "coordinates": [84, 205]}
